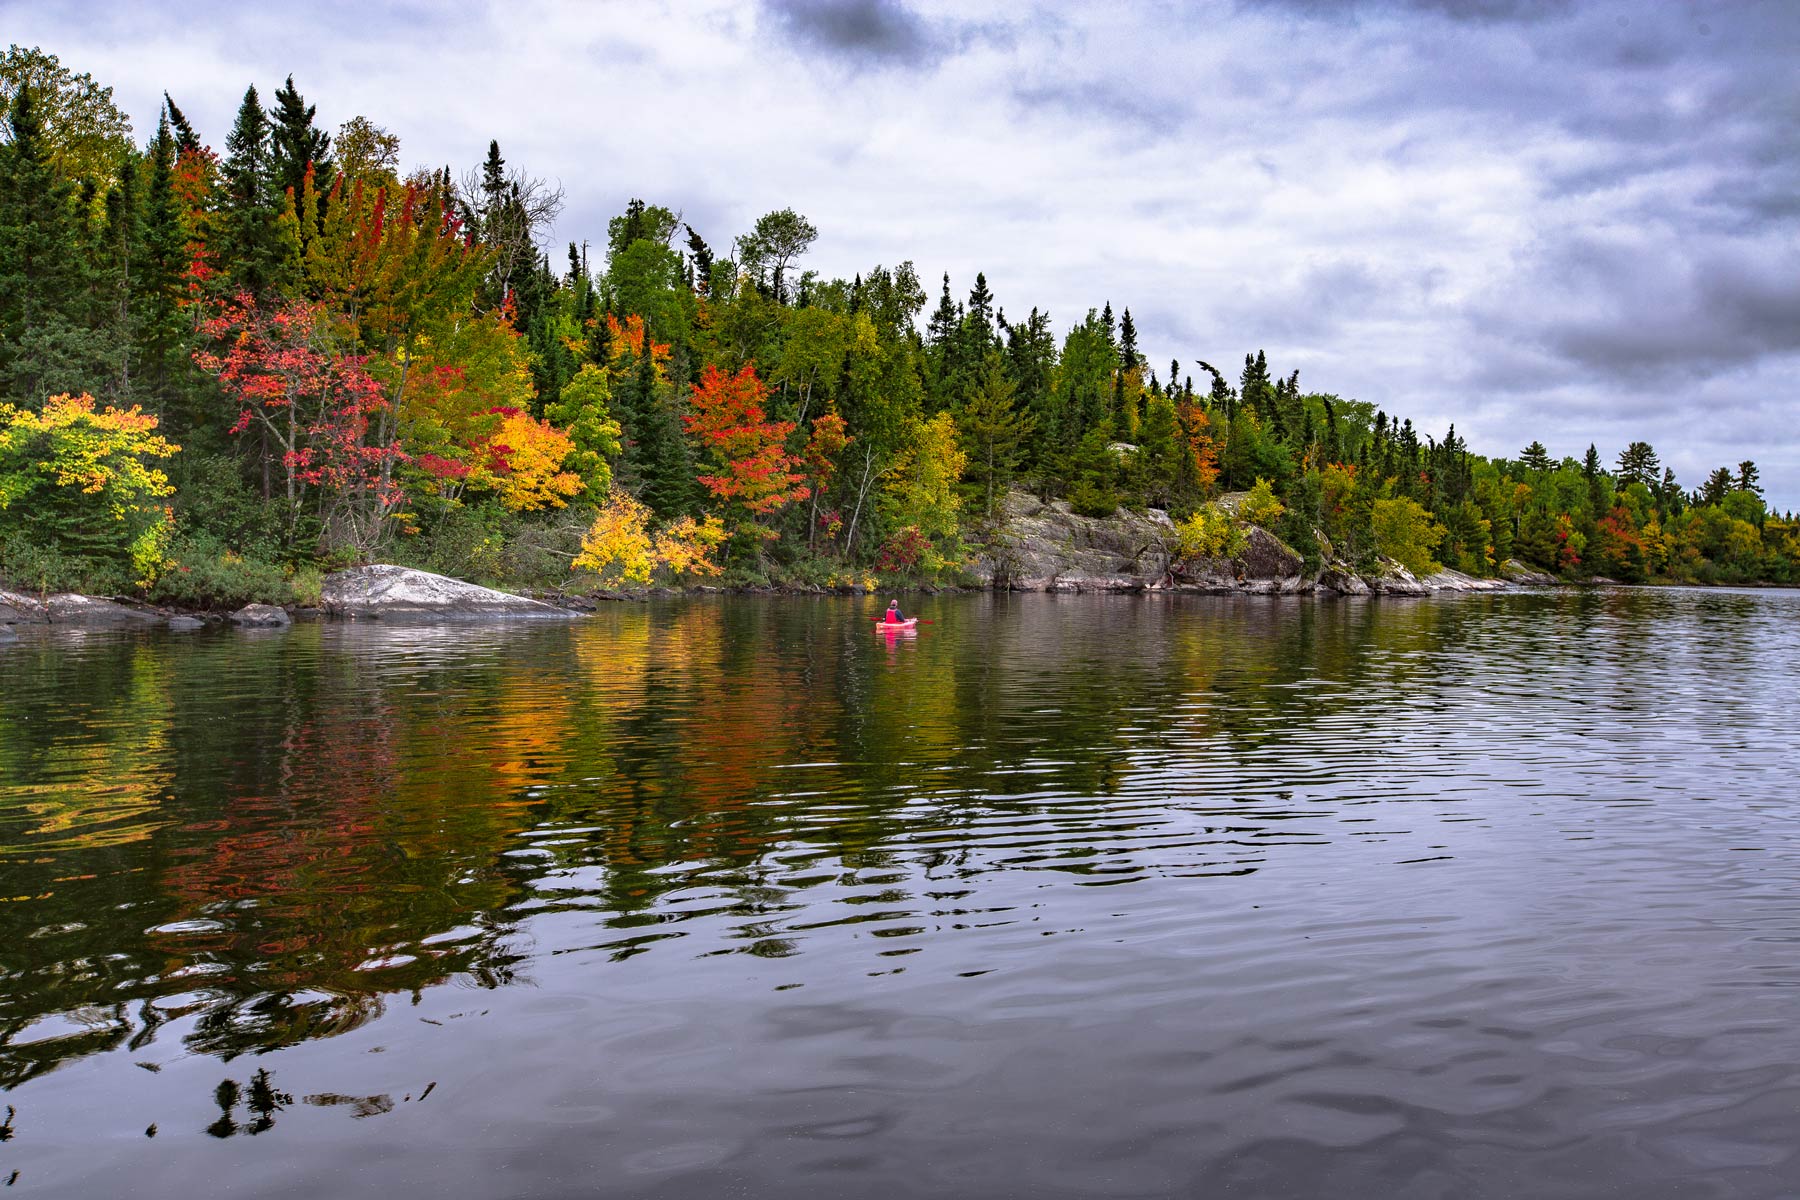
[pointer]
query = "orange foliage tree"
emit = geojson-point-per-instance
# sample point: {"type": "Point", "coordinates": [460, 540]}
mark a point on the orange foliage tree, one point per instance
{"type": "Point", "coordinates": [754, 473]}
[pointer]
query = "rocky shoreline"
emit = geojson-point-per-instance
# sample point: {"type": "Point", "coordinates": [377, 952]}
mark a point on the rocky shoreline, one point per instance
{"type": "Point", "coordinates": [1037, 547]}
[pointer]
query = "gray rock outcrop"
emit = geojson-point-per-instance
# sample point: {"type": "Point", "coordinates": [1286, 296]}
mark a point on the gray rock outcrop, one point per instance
{"type": "Point", "coordinates": [389, 592]}
{"type": "Point", "coordinates": [1050, 547]}
{"type": "Point", "coordinates": [261, 616]}
{"type": "Point", "coordinates": [1514, 571]}
{"type": "Point", "coordinates": [16, 609]}
{"type": "Point", "coordinates": [1047, 547]}
{"type": "Point", "coordinates": [69, 608]}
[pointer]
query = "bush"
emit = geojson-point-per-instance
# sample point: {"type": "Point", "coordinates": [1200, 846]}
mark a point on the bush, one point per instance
{"type": "Point", "coordinates": [205, 573]}
{"type": "Point", "coordinates": [1209, 533]}
{"type": "Point", "coordinates": [28, 566]}
{"type": "Point", "coordinates": [1260, 507]}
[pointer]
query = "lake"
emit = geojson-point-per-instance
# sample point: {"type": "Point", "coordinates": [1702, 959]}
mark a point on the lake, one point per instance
{"type": "Point", "coordinates": [1486, 895]}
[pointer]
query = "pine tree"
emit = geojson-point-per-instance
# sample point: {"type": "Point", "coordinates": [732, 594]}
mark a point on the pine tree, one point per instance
{"type": "Point", "coordinates": [1718, 485]}
{"type": "Point", "coordinates": [1638, 464]}
{"type": "Point", "coordinates": [45, 345]}
{"type": "Point", "coordinates": [1535, 458]}
{"type": "Point", "coordinates": [993, 432]}
{"type": "Point", "coordinates": [251, 245]}
{"type": "Point", "coordinates": [702, 255]}
{"type": "Point", "coordinates": [185, 138]}
{"type": "Point", "coordinates": [114, 262]}
{"type": "Point", "coordinates": [1749, 478]}
{"type": "Point", "coordinates": [1128, 351]}
{"type": "Point", "coordinates": [158, 327]}
{"type": "Point", "coordinates": [657, 461]}
{"type": "Point", "coordinates": [295, 143]}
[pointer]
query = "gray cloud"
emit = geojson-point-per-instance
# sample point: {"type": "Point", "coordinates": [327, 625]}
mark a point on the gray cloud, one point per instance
{"type": "Point", "coordinates": [1535, 218]}
{"type": "Point", "coordinates": [877, 32]}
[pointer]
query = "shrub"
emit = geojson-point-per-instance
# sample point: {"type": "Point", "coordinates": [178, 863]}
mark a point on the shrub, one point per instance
{"type": "Point", "coordinates": [204, 572]}
{"type": "Point", "coordinates": [1209, 533]}
{"type": "Point", "coordinates": [1260, 507]}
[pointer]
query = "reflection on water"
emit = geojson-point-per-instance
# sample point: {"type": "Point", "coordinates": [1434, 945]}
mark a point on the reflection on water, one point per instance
{"type": "Point", "coordinates": [1057, 896]}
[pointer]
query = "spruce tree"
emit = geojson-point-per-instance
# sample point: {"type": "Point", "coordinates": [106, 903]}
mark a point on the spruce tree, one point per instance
{"type": "Point", "coordinates": [185, 137]}
{"type": "Point", "coordinates": [158, 324]}
{"type": "Point", "coordinates": [251, 244]}
{"type": "Point", "coordinates": [295, 143]}
{"type": "Point", "coordinates": [1128, 349]}
{"type": "Point", "coordinates": [993, 432]}
{"type": "Point", "coordinates": [45, 344]}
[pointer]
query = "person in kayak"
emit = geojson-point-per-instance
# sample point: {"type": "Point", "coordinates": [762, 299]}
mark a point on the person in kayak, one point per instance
{"type": "Point", "coordinates": [893, 614]}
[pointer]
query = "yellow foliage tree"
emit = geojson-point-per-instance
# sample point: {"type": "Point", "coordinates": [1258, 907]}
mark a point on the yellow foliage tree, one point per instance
{"type": "Point", "coordinates": [525, 464]}
{"type": "Point", "coordinates": [620, 546]}
{"type": "Point", "coordinates": [79, 481]}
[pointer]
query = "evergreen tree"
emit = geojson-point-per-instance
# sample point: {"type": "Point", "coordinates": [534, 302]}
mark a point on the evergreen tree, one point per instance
{"type": "Point", "coordinates": [1128, 348]}
{"type": "Point", "coordinates": [1748, 478]}
{"type": "Point", "coordinates": [657, 460]}
{"type": "Point", "coordinates": [251, 249]}
{"type": "Point", "coordinates": [702, 256]}
{"type": "Point", "coordinates": [185, 137]}
{"type": "Point", "coordinates": [992, 431]}
{"type": "Point", "coordinates": [295, 143]}
{"type": "Point", "coordinates": [158, 324]}
{"type": "Point", "coordinates": [1535, 458]}
{"type": "Point", "coordinates": [45, 345]}
{"type": "Point", "coordinates": [1718, 485]}
{"type": "Point", "coordinates": [114, 279]}
{"type": "Point", "coordinates": [1638, 464]}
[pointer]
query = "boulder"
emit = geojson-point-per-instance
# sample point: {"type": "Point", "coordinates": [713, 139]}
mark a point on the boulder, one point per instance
{"type": "Point", "coordinates": [16, 609]}
{"type": "Point", "coordinates": [1514, 571]}
{"type": "Point", "coordinates": [7, 635]}
{"type": "Point", "coordinates": [1050, 547]}
{"type": "Point", "coordinates": [186, 624]}
{"type": "Point", "coordinates": [1455, 581]}
{"type": "Point", "coordinates": [400, 593]}
{"type": "Point", "coordinates": [68, 608]}
{"type": "Point", "coordinates": [264, 616]}
{"type": "Point", "coordinates": [1336, 577]}
{"type": "Point", "coordinates": [1266, 556]}
{"type": "Point", "coordinates": [1392, 579]}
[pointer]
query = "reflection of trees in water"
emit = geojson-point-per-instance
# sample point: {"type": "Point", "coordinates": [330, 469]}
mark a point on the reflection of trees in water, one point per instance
{"type": "Point", "coordinates": [341, 814]}
{"type": "Point", "coordinates": [260, 1100]}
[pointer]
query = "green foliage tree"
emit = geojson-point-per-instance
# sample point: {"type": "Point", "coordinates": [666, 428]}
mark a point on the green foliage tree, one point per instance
{"type": "Point", "coordinates": [992, 431]}
{"type": "Point", "coordinates": [1405, 532]}
{"type": "Point", "coordinates": [45, 343]}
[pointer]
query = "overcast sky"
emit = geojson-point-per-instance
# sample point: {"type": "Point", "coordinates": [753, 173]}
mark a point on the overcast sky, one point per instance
{"type": "Point", "coordinates": [1534, 218]}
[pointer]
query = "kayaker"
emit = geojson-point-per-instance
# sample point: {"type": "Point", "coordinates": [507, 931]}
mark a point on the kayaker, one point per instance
{"type": "Point", "coordinates": [893, 614]}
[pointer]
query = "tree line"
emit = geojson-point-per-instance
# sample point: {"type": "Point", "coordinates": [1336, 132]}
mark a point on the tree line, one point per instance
{"type": "Point", "coordinates": [225, 370]}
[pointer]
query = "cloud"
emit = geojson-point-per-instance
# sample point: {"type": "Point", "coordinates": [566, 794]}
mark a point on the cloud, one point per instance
{"type": "Point", "coordinates": [868, 32]}
{"type": "Point", "coordinates": [1530, 217]}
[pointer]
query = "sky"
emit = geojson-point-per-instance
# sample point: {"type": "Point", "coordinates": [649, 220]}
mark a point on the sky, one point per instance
{"type": "Point", "coordinates": [1576, 222]}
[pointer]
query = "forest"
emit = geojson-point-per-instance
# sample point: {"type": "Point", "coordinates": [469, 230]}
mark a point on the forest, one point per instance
{"type": "Point", "coordinates": [228, 367]}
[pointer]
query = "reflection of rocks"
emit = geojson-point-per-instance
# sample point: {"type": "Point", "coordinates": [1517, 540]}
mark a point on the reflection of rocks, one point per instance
{"type": "Point", "coordinates": [401, 593]}
{"type": "Point", "coordinates": [264, 616]}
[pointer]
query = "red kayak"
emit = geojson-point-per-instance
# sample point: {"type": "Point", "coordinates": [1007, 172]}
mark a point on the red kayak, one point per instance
{"type": "Point", "coordinates": [909, 623]}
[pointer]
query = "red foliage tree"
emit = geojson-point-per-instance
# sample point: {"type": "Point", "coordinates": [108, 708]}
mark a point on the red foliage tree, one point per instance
{"type": "Point", "coordinates": [321, 407]}
{"type": "Point", "coordinates": [755, 474]}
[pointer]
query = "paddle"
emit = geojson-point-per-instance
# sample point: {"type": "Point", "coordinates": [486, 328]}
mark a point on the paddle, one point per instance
{"type": "Point", "coordinates": [918, 620]}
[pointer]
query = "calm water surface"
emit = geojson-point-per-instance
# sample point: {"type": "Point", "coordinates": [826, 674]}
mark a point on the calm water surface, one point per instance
{"type": "Point", "coordinates": [1486, 896]}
